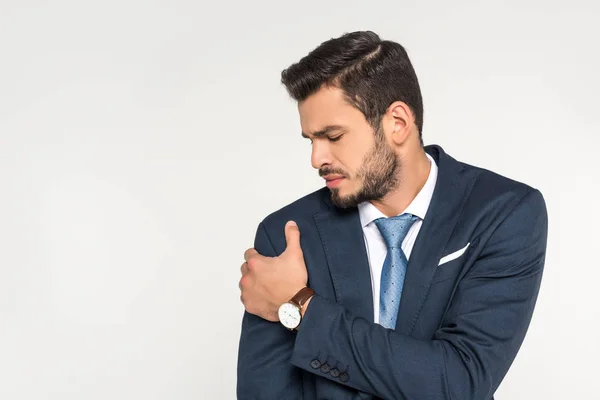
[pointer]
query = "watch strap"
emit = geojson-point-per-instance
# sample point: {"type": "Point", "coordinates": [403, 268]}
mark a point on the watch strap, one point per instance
{"type": "Point", "coordinates": [302, 296]}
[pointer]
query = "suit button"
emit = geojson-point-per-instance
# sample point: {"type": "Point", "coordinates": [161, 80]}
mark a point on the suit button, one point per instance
{"type": "Point", "coordinates": [335, 372]}
{"type": "Point", "coordinates": [315, 364]}
{"type": "Point", "coordinates": [325, 368]}
{"type": "Point", "coordinates": [344, 377]}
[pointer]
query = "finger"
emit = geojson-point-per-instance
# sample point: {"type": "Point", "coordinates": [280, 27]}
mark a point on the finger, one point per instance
{"type": "Point", "coordinates": [245, 282]}
{"type": "Point", "coordinates": [249, 253]}
{"type": "Point", "coordinates": [244, 268]}
{"type": "Point", "coordinates": [292, 237]}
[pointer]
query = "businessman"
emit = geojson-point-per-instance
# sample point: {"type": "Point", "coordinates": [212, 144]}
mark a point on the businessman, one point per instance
{"type": "Point", "coordinates": [411, 275]}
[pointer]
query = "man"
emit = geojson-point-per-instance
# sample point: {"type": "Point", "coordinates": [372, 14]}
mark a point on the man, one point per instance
{"type": "Point", "coordinates": [411, 275]}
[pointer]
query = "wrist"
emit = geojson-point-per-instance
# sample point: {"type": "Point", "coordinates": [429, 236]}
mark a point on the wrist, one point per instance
{"type": "Point", "coordinates": [291, 312]}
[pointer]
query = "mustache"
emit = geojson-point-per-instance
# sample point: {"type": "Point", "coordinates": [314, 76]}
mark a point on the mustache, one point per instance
{"type": "Point", "coordinates": [332, 171]}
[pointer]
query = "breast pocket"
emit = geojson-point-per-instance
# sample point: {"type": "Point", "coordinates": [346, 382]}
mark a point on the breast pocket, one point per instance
{"type": "Point", "coordinates": [451, 264]}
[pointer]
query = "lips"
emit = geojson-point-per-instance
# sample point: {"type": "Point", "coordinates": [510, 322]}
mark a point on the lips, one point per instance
{"type": "Point", "coordinates": [333, 180]}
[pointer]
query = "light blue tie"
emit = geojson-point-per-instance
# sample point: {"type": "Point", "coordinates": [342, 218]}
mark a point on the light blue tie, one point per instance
{"type": "Point", "coordinates": [393, 230]}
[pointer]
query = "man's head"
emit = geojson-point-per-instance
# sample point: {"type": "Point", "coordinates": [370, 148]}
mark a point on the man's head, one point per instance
{"type": "Point", "coordinates": [360, 105]}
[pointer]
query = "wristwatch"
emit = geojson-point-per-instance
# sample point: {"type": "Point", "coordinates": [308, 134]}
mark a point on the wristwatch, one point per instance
{"type": "Point", "coordinates": [290, 312]}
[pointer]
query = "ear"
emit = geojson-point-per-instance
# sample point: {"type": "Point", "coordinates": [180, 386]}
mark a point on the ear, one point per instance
{"type": "Point", "coordinates": [400, 122]}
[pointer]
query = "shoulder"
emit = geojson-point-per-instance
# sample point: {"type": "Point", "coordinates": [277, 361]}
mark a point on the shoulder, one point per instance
{"type": "Point", "coordinates": [485, 184]}
{"type": "Point", "coordinates": [502, 206]}
{"type": "Point", "coordinates": [495, 191]}
{"type": "Point", "coordinates": [487, 198]}
{"type": "Point", "coordinates": [300, 210]}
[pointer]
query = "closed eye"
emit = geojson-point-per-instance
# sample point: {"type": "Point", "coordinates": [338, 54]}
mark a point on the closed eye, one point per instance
{"type": "Point", "coordinates": [334, 139]}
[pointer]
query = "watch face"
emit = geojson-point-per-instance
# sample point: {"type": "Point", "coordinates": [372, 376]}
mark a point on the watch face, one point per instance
{"type": "Point", "coordinates": [289, 315]}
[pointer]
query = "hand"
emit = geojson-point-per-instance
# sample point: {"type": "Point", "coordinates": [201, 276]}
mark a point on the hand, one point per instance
{"type": "Point", "coordinates": [268, 282]}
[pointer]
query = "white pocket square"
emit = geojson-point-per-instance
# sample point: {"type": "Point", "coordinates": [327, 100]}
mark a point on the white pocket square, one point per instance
{"type": "Point", "coordinates": [454, 256]}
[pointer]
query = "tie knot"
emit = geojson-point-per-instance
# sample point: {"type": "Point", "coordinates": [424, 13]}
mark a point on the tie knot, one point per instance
{"type": "Point", "coordinates": [395, 229]}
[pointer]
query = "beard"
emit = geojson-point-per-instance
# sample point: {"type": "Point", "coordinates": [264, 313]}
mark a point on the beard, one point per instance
{"type": "Point", "coordinates": [378, 175]}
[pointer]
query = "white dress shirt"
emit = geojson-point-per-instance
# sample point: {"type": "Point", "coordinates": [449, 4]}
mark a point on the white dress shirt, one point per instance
{"type": "Point", "coordinates": [375, 244]}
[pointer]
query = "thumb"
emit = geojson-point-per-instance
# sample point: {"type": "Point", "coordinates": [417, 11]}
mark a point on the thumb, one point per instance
{"type": "Point", "coordinates": [292, 237]}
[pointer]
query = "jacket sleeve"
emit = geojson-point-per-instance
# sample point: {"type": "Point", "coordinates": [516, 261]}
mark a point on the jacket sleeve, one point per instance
{"type": "Point", "coordinates": [478, 337]}
{"type": "Point", "coordinates": [264, 370]}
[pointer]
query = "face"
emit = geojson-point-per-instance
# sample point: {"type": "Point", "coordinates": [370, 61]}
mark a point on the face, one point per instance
{"type": "Point", "coordinates": [356, 161]}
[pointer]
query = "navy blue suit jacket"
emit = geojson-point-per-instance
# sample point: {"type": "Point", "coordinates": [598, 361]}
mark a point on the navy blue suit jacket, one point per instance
{"type": "Point", "coordinates": [460, 324]}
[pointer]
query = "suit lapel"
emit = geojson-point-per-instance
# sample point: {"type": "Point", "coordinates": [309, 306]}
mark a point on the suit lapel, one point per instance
{"type": "Point", "coordinates": [343, 241]}
{"type": "Point", "coordinates": [450, 192]}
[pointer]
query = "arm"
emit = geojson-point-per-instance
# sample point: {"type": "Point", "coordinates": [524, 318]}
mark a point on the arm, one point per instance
{"type": "Point", "coordinates": [478, 338]}
{"type": "Point", "coordinates": [264, 370]}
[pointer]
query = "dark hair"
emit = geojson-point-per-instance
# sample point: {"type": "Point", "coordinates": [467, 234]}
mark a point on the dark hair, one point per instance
{"type": "Point", "coordinates": [372, 73]}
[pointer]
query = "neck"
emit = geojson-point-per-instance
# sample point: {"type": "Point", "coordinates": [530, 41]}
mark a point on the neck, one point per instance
{"type": "Point", "coordinates": [414, 172]}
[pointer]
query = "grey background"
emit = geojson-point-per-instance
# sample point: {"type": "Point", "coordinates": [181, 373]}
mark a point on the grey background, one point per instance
{"type": "Point", "coordinates": [141, 142]}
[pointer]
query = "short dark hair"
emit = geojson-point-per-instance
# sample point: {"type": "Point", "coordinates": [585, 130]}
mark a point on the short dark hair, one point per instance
{"type": "Point", "coordinates": [372, 73]}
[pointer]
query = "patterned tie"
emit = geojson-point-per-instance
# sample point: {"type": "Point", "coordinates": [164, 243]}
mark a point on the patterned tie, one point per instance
{"type": "Point", "coordinates": [393, 230]}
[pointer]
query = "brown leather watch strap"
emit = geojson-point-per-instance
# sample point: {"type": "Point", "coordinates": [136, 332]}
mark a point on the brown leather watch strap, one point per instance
{"type": "Point", "coordinates": [302, 296]}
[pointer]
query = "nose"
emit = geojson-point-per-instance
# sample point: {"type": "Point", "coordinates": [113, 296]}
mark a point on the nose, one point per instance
{"type": "Point", "coordinates": [320, 154]}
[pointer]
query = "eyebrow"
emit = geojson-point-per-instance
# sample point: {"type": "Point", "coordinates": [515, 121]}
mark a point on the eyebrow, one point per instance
{"type": "Point", "coordinates": [325, 131]}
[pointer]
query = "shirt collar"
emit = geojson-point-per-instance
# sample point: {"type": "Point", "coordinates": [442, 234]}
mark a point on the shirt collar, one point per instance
{"type": "Point", "coordinates": [418, 207]}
